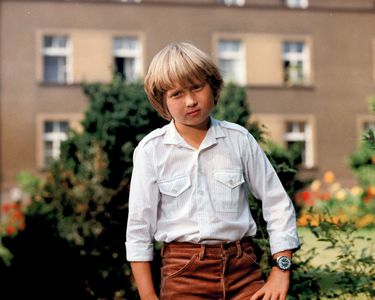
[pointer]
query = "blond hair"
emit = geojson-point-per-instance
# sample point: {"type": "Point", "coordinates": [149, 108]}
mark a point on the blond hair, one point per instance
{"type": "Point", "coordinates": [179, 64]}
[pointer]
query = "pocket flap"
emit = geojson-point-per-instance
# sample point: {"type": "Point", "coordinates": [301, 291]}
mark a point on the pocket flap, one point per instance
{"type": "Point", "coordinates": [175, 187]}
{"type": "Point", "coordinates": [231, 179]}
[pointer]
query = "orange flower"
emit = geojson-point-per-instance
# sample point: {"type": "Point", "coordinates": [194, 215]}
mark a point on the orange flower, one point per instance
{"type": "Point", "coordinates": [371, 191]}
{"type": "Point", "coordinates": [325, 196]}
{"type": "Point", "coordinates": [17, 215]}
{"type": "Point", "coordinates": [21, 225]}
{"type": "Point", "coordinates": [329, 177]}
{"type": "Point", "coordinates": [315, 185]}
{"type": "Point", "coordinates": [366, 220]}
{"type": "Point", "coordinates": [7, 207]}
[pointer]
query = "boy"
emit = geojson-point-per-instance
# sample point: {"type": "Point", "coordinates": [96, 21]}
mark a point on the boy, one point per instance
{"type": "Point", "coordinates": [189, 190]}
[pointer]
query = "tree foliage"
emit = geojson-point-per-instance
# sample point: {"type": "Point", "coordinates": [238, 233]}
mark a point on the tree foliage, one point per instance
{"type": "Point", "coordinates": [363, 159]}
{"type": "Point", "coordinates": [370, 136]}
{"type": "Point", "coordinates": [80, 206]}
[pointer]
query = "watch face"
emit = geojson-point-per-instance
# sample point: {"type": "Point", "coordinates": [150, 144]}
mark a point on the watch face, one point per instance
{"type": "Point", "coordinates": [284, 262]}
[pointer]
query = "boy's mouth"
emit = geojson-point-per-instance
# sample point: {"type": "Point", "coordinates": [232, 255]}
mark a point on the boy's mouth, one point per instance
{"type": "Point", "coordinates": [193, 112]}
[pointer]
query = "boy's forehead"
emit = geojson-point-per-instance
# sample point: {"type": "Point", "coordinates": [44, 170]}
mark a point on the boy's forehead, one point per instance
{"type": "Point", "coordinates": [183, 85]}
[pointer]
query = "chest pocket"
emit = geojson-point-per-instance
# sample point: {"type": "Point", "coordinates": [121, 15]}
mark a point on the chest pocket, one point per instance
{"type": "Point", "coordinates": [228, 190]}
{"type": "Point", "coordinates": [175, 187]}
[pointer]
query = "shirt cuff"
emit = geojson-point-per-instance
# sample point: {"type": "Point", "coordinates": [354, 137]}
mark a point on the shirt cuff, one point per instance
{"type": "Point", "coordinates": [139, 252]}
{"type": "Point", "coordinates": [281, 241]}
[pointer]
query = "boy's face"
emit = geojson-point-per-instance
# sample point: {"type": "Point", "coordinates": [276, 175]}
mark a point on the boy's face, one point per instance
{"type": "Point", "coordinates": [190, 106]}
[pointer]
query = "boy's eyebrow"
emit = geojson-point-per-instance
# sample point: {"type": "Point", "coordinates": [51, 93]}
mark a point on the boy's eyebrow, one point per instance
{"type": "Point", "coordinates": [173, 90]}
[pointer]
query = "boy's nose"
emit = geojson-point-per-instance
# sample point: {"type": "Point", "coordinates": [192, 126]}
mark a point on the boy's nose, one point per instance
{"type": "Point", "coordinates": [190, 100]}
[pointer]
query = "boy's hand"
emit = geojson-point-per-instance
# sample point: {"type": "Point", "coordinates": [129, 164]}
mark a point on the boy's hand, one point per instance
{"type": "Point", "coordinates": [276, 287]}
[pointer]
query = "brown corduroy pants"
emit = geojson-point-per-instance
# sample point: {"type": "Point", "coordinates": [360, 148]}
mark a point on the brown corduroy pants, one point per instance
{"type": "Point", "coordinates": [222, 271]}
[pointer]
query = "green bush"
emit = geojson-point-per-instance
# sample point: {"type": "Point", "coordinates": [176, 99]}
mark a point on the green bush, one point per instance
{"type": "Point", "coordinates": [370, 136]}
{"type": "Point", "coordinates": [362, 161]}
{"type": "Point", "coordinates": [362, 164]}
{"type": "Point", "coordinates": [80, 207]}
{"type": "Point", "coordinates": [351, 274]}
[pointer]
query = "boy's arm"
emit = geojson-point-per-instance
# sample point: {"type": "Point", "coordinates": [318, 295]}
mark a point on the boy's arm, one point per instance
{"type": "Point", "coordinates": [278, 209]}
{"type": "Point", "coordinates": [277, 284]}
{"type": "Point", "coordinates": [143, 278]}
{"type": "Point", "coordinates": [278, 212]}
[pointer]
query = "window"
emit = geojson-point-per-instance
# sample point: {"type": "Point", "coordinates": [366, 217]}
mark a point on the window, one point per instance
{"type": "Point", "coordinates": [299, 134]}
{"type": "Point", "coordinates": [296, 63]}
{"type": "Point", "coordinates": [53, 134]}
{"type": "Point", "coordinates": [56, 59]}
{"type": "Point", "coordinates": [369, 125]}
{"type": "Point", "coordinates": [232, 61]}
{"type": "Point", "coordinates": [297, 3]}
{"type": "Point", "coordinates": [232, 2]}
{"type": "Point", "coordinates": [127, 57]}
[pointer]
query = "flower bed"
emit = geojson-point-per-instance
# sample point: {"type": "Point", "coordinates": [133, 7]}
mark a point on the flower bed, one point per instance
{"type": "Point", "coordinates": [12, 218]}
{"type": "Point", "coordinates": [328, 200]}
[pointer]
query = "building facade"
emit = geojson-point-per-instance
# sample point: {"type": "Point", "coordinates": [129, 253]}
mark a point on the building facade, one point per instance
{"type": "Point", "coordinates": [308, 66]}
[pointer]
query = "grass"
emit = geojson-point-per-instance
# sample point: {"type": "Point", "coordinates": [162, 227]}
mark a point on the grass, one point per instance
{"type": "Point", "coordinates": [326, 256]}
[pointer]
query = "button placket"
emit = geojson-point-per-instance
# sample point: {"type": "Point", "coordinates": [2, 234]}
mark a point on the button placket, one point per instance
{"type": "Point", "coordinates": [199, 173]}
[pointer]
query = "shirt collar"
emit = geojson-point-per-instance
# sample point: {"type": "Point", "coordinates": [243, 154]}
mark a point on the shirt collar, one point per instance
{"type": "Point", "coordinates": [215, 131]}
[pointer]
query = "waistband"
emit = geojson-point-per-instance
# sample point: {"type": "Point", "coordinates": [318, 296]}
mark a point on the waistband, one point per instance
{"type": "Point", "coordinates": [235, 247]}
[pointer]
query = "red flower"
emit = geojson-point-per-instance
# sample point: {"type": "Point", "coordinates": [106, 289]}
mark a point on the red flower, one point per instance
{"type": "Point", "coordinates": [17, 215]}
{"type": "Point", "coordinates": [325, 196]}
{"type": "Point", "coordinates": [305, 197]}
{"type": "Point", "coordinates": [10, 230]}
{"type": "Point", "coordinates": [7, 207]}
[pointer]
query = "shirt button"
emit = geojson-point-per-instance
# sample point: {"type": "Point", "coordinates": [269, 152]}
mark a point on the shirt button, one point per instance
{"type": "Point", "coordinates": [231, 182]}
{"type": "Point", "coordinates": [200, 193]}
{"type": "Point", "coordinates": [174, 191]}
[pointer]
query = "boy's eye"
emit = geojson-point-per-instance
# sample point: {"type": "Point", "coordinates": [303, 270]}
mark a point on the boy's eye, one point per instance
{"type": "Point", "coordinates": [197, 87]}
{"type": "Point", "coordinates": [176, 94]}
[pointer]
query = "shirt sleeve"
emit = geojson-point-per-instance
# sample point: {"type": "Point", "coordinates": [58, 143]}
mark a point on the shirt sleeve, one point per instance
{"type": "Point", "coordinates": [278, 209]}
{"type": "Point", "coordinates": [143, 203]}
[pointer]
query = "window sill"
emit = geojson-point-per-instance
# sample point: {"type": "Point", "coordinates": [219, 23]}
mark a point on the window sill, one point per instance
{"type": "Point", "coordinates": [281, 87]}
{"type": "Point", "coordinates": [57, 84]}
{"type": "Point", "coordinates": [308, 169]}
{"type": "Point", "coordinates": [296, 7]}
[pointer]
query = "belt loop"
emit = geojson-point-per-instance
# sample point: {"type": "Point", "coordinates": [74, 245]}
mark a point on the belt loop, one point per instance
{"type": "Point", "coordinates": [162, 250]}
{"type": "Point", "coordinates": [239, 249]}
{"type": "Point", "coordinates": [202, 252]}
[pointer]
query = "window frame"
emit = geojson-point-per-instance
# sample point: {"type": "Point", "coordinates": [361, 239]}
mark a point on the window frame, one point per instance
{"type": "Point", "coordinates": [55, 137]}
{"type": "Point", "coordinates": [295, 56]}
{"type": "Point", "coordinates": [297, 4]}
{"type": "Point", "coordinates": [232, 2]}
{"type": "Point", "coordinates": [56, 51]}
{"type": "Point", "coordinates": [74, 123]}
{"type": "Point", "coordinates": [361, 120]}
{"type": "Point", "coordinates": [297, 136]}
{"type": "Point", "coordinates": [239, 56]}
{"type": "Point", "coordinates": [129, 53]}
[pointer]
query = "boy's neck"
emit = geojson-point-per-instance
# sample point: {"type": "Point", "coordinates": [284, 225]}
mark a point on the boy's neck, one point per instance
{"type": "Point", "coordinates": [193, 135]}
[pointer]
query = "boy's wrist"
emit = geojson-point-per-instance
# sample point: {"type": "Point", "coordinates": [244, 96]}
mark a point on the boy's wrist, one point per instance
{"type": "Point", "coordinates": [282, 262]}
{"type": "Point", "coordinates": [279, 271]}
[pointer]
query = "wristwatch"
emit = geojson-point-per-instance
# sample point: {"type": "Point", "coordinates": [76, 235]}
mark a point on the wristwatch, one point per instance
{"type": "Point", "coordinates": [282, 262]}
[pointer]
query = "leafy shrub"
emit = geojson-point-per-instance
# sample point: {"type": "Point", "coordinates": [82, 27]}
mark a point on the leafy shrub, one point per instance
{"type": "Point", "coordinates": [362, 162]}
{"type": "Point", "coordinates": [349, 275]}
{"type": "Point", "coordinates": [76, 221]}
